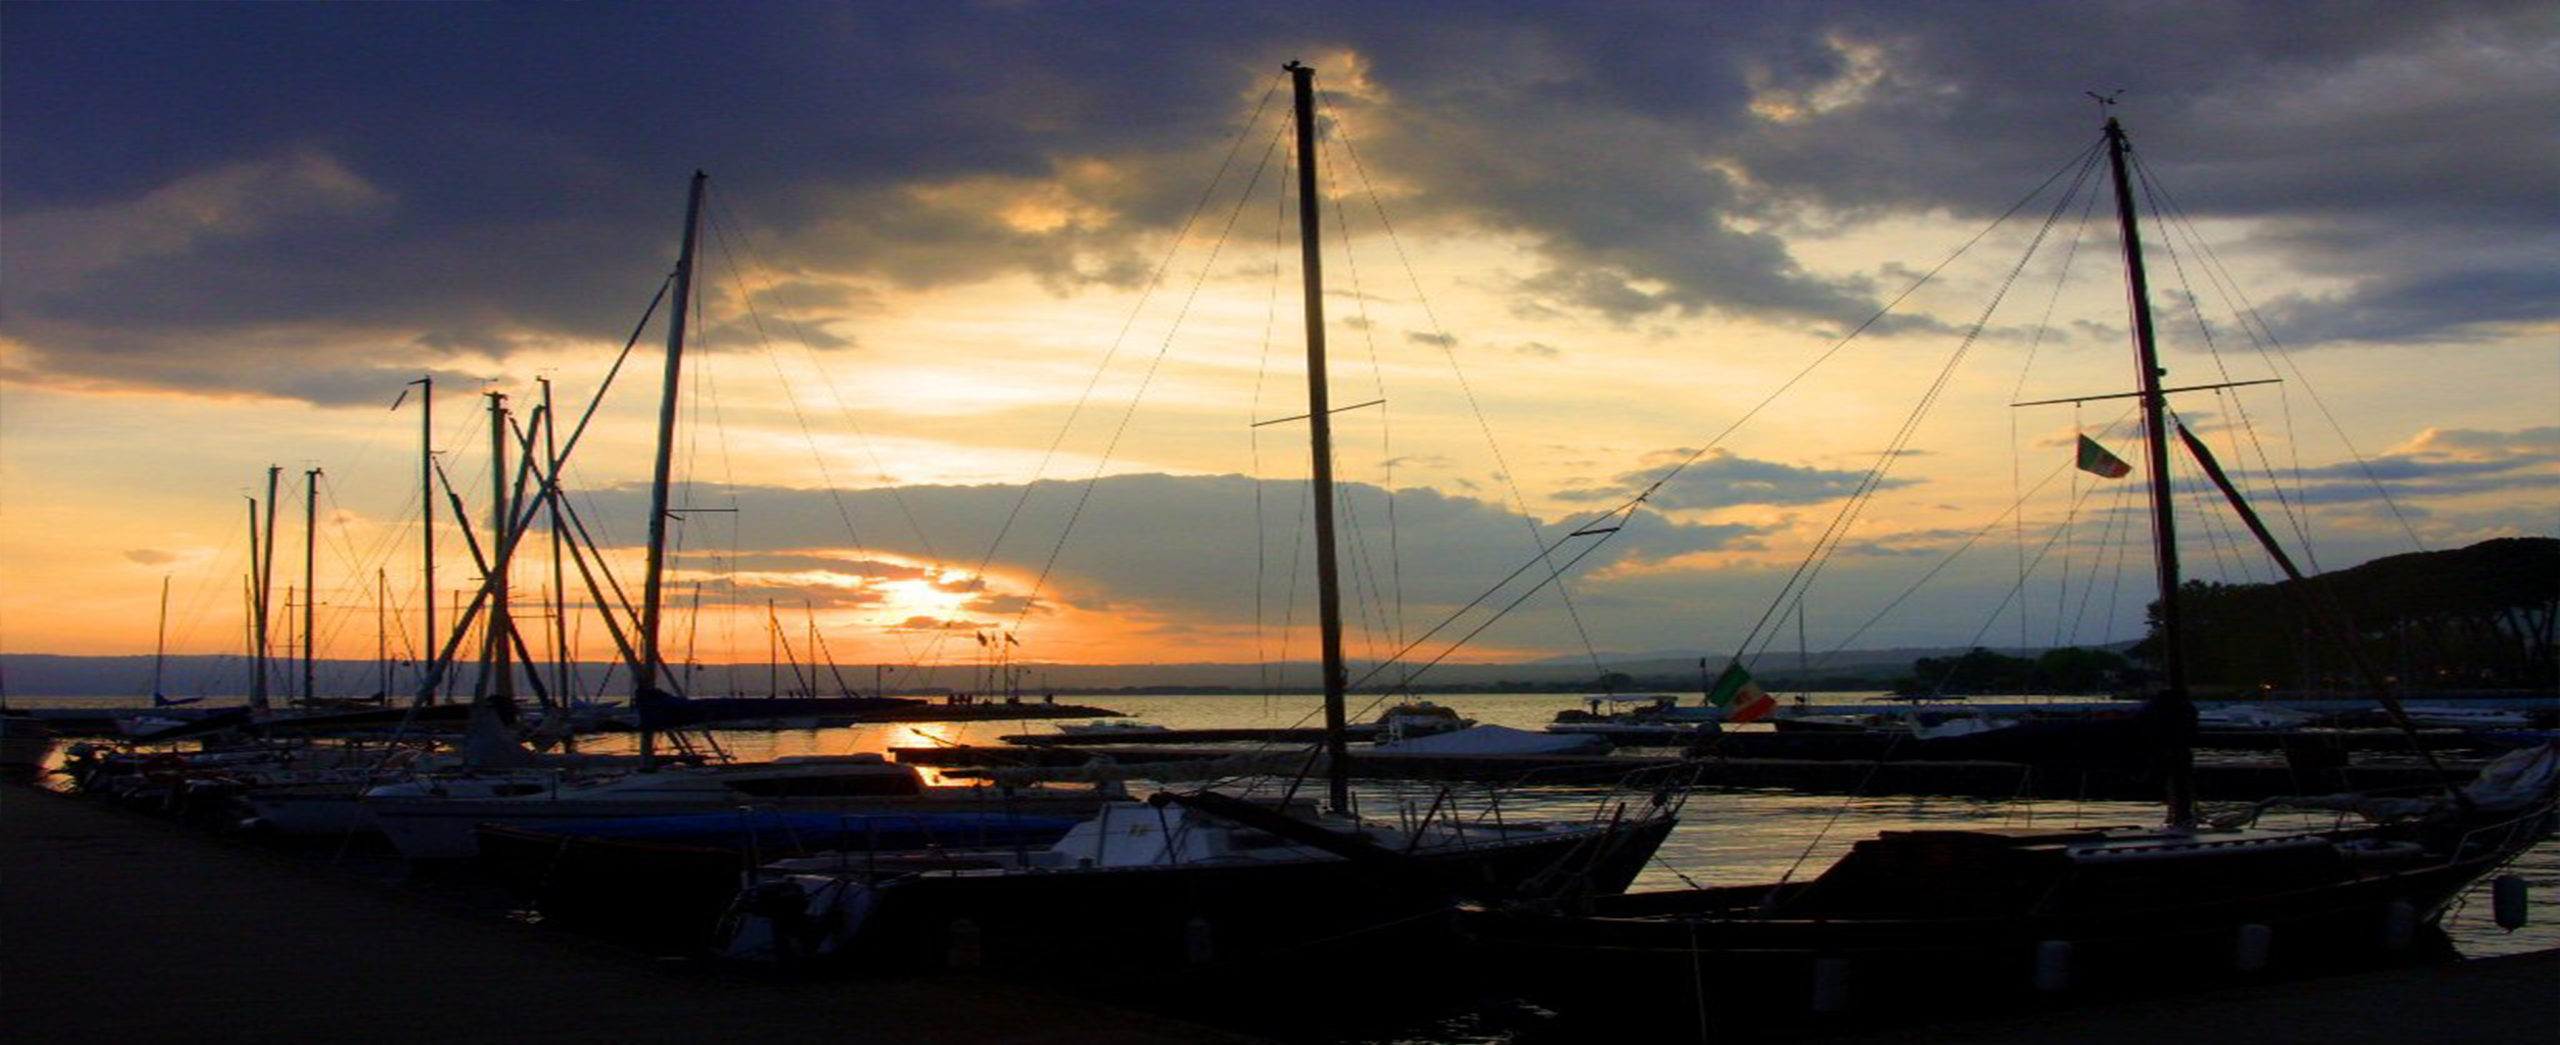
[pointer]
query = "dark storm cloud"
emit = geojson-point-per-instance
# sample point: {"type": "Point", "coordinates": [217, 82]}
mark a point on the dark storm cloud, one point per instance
{"type": "Point", "coordinates": [768, 561]}
{"type": "Point", "coordinates": [2440, 466]}
{"type": "Point", "coordinates": [225, 196]}
{"type": "Point", "coordinates": [1169, 543]}
{"type": "Point", "coordinates": [1722, 480]}
{"type": "Point", "coordinates": [791, 596]}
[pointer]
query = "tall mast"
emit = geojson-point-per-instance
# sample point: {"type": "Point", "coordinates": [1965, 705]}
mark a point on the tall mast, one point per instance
{"type": "Point", "coordinates": [652, 661]}
{"type": "Point", "coordinates": [381, 633]}
{"type": "Point", "coordinates": [265, 541]}
{"type": "Point", "coordinates": [1320, 439]}
{"type": "Point", "coordinates": [160, 646]}
{"type": "Point", "coordinates": [2164, 534]}
{"type": "Point", "coordinates": [559, 571]}
{"type": "Point", "coordinates": [501, 678]}
{"type": "Point", "coordinates": [427, 516]}
{"type": "Point", "coordinates": [310, 592]}
{"type": "Point", "coordinates": [249, 597]}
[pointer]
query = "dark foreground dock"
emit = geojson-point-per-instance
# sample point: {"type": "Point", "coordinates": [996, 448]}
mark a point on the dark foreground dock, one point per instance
{"type": "Point", "coordinates": [2512, 999]}
{"type": "Point", "coordinates": [123, 928]}
{"type": "Point", "coordinates": [120, 928]}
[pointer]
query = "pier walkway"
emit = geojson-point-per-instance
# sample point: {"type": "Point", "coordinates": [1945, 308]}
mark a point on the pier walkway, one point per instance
{"type": "Point", "coordinates": [116, 928]}
{"type": "Point", "coordinates": [2509, 1000]}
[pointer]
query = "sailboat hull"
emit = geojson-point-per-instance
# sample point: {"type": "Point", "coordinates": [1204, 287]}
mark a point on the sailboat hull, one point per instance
{"type": "Point", "coordinates": [1851, 949]}
{"type": "Point", "coordinates": [1196, 915]}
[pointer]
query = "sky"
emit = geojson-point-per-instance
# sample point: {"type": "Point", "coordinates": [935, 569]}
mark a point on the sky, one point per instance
{"type": "Point", "coordinates": [999, 334]}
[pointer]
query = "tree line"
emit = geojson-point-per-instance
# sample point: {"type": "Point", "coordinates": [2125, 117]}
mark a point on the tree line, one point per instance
{"type": "Point", "coordinates": [2473, 618]}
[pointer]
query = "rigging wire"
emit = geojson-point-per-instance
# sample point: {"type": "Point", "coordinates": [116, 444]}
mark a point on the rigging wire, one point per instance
{"type": "Point", "coordinates": [1448, 352]}
{"type": "Point", "coordinates": [800, 335]}
{"type": "Point", "coordinates": [2272, 349]}
{"type": "Point", "coordinates": [1164, 348]}
{"type": "Point", "coordinates": [739, 277]}
{"type": "Point", "coordinates": [1155, 281]}
{"type": "Point", "coordinates": [1264, 655]}
{"type": "Point", "coordinates": [1598, 525]}
{"type": "Point", "coordinates": [2044, 325]}
{"type": "Point", "coordinates": [1949, 560]}
{"type": "Point", "coordinates": [1818, 557]}
{"type": "Point", "coordinates": [2165, 230]}
{"type": "Point", "coordinates": [1387, 599]}
{"type": "Point", "coordinates": [2016, 591]}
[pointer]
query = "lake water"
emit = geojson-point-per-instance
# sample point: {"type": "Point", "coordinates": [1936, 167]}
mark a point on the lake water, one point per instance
{"type": "Point", "coordinates": [1724, 837]}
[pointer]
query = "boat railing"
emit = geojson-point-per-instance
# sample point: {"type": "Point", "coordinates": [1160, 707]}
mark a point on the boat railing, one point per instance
{"type": "Point", "coordinates": [1666, 784]}
{"type": "Point", "coordinates": [2511, 835]}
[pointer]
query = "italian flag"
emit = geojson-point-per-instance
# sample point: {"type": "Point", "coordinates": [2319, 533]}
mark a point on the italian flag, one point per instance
{"type": "Point", "coordinates": [1741, 698]}
{"type": "Point", "coordinates": [2095, 460]}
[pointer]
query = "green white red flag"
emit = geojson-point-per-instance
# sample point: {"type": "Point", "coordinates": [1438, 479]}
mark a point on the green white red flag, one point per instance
{"type": "Point", "coordinates": [1741, 698]}
{"type": "Point", "coordinates": [2095, 460]}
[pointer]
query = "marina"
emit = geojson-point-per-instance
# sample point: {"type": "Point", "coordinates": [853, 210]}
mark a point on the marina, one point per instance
{"type": "Point", "coordinates": [1434, 526]}
{"type": "Point", "coordinates": [119, 873]}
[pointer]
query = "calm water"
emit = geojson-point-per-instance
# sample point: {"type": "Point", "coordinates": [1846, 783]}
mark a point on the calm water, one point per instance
{"type": "Point", "coordinates": [1724, 838]}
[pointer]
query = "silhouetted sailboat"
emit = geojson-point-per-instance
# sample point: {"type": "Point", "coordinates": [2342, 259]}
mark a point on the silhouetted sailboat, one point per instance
{"type": "Point", "coordinates": [1929, 923]}
{"type": "Point", "coordinates": [1198, 878]}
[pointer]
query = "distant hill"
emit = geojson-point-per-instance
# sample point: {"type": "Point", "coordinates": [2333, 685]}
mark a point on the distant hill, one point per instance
{"type": "Point", "coordinates": [2476, 617]}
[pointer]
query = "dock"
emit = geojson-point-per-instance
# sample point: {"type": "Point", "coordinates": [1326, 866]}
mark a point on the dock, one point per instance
{"type": "Point", "coordinates": [127, 928]}
{"type": "Point", "coordinates": [2504, 999]}
{"type": "Point", "coordinates": [987, 711]}
{"type": "Point", "coordinates": [124, 928]}
{"type": "Point", "coordinates": [1354, 733]}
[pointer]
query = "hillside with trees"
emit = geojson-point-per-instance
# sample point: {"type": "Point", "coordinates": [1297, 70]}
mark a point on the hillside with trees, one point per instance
{"type": "Point", "coordinates": [2475, 618]}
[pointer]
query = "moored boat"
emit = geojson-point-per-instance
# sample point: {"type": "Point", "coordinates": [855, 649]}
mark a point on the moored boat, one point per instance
{"type": "Point", "coordinates": [1950, 923]}
{"type": "Point", "coordinates": [427, 820]}
{"type": "Point", "coordinates": [1209, 878]}
{"type": "Point", "coordinates": [663, 882]}
{"type": "Point", "coordinates": [1944, 923]}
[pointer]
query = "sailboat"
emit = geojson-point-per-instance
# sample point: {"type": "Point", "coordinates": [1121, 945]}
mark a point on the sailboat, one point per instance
{"type": "Point", "coordinates": [1937, 922]}
{"type": "Point", "coordinates": [1199, 878]}
{"type": "Point", "coordinates": [436, 816]}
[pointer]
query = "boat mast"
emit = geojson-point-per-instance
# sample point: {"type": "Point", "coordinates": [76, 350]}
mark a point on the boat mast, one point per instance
{"type": "Point", "coordinates": [645, 680]}
{"type": "Point", "coordinates": [310, 591]}
{"type": "Point", "coordinates": [427, 515]}
{"type": "Point", "coordinates": [559, 555]}
{"type": "Point", "coordinates": [264, 547]}
{"type": "Point", "coordinates": [381, 631]}
{"type": "Point", "coordinates": [160, 645]}
{"type": "Point", "coordinates": [249, 604]}
{"type": "Point", "coordinates": [500, 636]}
{"type": "Point", "coordinates": [1320, 439]}
{"type": "Point", "coordinates": [2174, 700]}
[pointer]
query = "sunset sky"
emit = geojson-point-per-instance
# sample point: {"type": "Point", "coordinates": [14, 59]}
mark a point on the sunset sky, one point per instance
{"type": "Point", "coordinates": [994, 295]}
